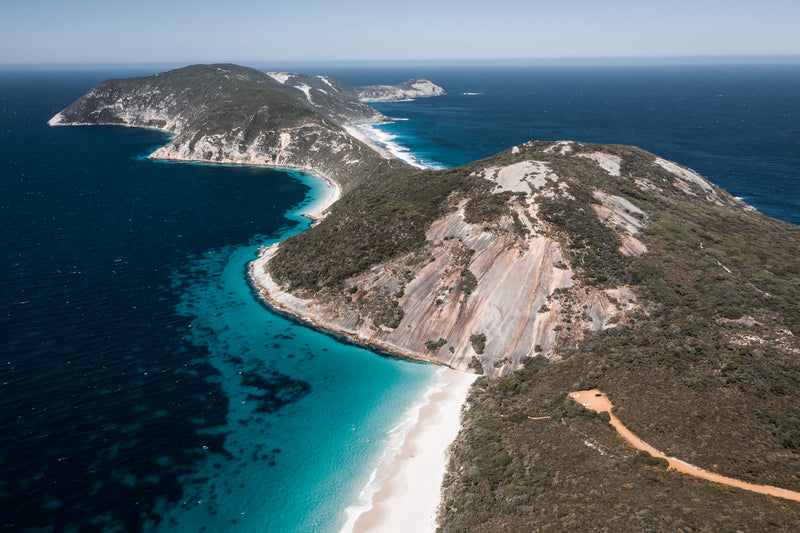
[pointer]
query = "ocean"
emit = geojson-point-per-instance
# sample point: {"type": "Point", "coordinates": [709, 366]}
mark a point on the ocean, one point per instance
{"type": "Point", "coordinates": [145, 388]}
{"type": "Point", "coordinates": [737, 125]}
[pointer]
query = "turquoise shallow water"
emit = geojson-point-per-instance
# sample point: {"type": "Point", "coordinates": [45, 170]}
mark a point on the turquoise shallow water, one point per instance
{"type": "Point", "coordinates": [342, 401]}
{"type": "Point", "coordinates": [144, 385]}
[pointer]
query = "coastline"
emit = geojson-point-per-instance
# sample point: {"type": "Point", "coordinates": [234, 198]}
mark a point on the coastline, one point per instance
{"type": "Point", "coordinates": [385, 143]}
{"type": "Point", "coordinates": [317, 209]}
{"type": "Point", "coordinates": [286, 304]}
{"type": "Point", "coordinates": [410, 480]}
{"type": "Point", "coordinates": [404, 490]}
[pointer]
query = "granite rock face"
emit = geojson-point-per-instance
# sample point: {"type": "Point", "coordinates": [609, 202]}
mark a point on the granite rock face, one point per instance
{"type": "Point", "coordinates": [541, 263]}
{"type": "Point", "coordinates": [513, 282]}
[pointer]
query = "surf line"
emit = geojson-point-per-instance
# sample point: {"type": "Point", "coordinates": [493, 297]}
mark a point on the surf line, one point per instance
{"type": "Point", "coordinates": [597, 401]}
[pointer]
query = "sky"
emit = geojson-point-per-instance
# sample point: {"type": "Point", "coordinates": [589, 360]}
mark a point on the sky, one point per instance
{"type": "Point", "coordinates": [150, 31]}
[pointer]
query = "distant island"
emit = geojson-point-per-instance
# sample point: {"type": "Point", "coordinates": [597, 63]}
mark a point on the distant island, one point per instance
{"type": "Point", "coordinates": [550, 267]}
{"type": "Point", "coordinates": [320, 88]}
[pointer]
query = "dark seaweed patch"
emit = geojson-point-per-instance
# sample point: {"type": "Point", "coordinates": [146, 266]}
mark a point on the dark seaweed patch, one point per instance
{"type": "Point", "coordinates": [274, 391]}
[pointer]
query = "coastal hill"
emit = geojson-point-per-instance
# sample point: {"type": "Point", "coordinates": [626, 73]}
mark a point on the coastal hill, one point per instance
{"type": "Point", "coordinates": [550, 267]}
{"type": "Point", "coordinates": [232, 114]}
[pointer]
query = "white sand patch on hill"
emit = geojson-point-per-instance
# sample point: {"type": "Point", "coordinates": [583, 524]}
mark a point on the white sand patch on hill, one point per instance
{"type": "Point", "coordinates": [280, 77]}
{"type": "Point", "coordinates": [562, 147]}
{"type": "Point", "coordinates": [525, 176]}
{"type": "Point", "coordinates": [306, 89]}
{"type": "Point", "coordinates": [608, 162]}
{"type": "Point", "coordinates": [686, 179]}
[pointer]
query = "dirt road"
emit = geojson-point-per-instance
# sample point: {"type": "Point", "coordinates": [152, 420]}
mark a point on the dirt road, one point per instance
{"type": "Point", "coordinates": [597, 401]}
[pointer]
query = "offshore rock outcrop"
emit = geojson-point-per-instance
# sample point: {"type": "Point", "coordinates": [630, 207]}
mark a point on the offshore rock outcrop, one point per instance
{"type": "Point", "coordinates": [415, 88]}
{"type": "Point", "coordinates": [320, 88]}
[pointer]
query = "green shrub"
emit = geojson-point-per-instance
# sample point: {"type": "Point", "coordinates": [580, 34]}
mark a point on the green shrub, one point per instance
{"type": "Point", "coordinates": [433, 346]}
{"type": "Point", "coordinates": [478, 342]}
{"type": "Point", "coordinates": [468, 281]}
{"type": "Point", "coordinates": [475, 365]}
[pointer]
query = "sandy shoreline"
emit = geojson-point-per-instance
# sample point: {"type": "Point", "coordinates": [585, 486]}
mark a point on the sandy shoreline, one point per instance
{"type": "Point", "coordinates": [356, 132]}
{"type": "Point", "coordinates": [409, 496]}
{"type": "Point", "coordinates": [409, 480]}
{"type": "Point", "coordinates": [384, 144]}
{"type": "Point", "coordinates": [317, 210]}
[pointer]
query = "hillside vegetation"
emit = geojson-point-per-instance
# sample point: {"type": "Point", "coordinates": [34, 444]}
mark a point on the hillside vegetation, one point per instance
{"type": "Point", "coordinates": [704, 366]}
{"type": "Point", "coordinates": [550, 267]}
{"type": "Point", "coordinates": [231, 114]}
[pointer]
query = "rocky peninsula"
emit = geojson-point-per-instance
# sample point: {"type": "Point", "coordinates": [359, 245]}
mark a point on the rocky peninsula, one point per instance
{"type": "Point", "coordinates": [551, 267]}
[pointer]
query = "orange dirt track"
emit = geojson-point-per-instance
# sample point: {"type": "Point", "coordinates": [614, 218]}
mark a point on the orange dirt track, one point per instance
{"type": "Point", "coordinates": [597, 401]}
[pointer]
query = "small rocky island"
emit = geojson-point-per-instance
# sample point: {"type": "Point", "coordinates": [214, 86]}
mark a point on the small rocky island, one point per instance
{"type": "Point", "coordinates": [316, 86]}
{"type": "Point", "coordinates": [552, 267]}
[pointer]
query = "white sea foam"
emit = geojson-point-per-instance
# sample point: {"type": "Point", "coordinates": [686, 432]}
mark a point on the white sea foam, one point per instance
{"type": "Point", "coordinates": [387, 142]}
{"type": "Point", "coordinates": [471, 94]}
{"type": "Point", "coordinates": [396, 439]}
{"type": "Point", "coordinates": [743, 200]}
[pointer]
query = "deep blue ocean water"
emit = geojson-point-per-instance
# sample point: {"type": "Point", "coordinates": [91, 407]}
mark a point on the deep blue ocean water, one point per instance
{"type": "Point", "coordinates": [143, 386]}
{"type": "Point", "coordinates": [737, 125]}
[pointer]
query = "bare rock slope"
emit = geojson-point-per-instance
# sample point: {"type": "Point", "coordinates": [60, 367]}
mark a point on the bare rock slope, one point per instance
{"type": "Point", "coordinates": [481, 267]}
{"type": "Point", "coordinates": [522, 262]}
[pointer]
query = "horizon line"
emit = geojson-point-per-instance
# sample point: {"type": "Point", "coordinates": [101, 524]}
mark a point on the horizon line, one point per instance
{"type": "Point", "coordinates": [705, 59]}
{"type": "Point", "coordinates": [639, 61]}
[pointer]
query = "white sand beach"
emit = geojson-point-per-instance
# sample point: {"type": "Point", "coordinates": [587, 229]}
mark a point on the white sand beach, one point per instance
{"type": "Point", "coordinates": [408, 490]}
{"type": "Point", "coordinates": [409, 497]}
{"type": "Point", "coordinates": [316, 211]}
{"type": "Point", "coordinates": [359, 134]}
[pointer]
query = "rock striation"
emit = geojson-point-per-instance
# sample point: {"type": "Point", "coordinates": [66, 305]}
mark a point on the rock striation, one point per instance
{"type": "Point", "coordinates": [635, 274]}
{"type": "Point", "coordinates": [480, 267]}
{"type": "Point", "coordinates": [490, 292]}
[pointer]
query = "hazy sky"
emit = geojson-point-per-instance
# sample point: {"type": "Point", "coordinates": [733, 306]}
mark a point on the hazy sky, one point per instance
{"type": "Point", "coordinates": [74, 31]}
